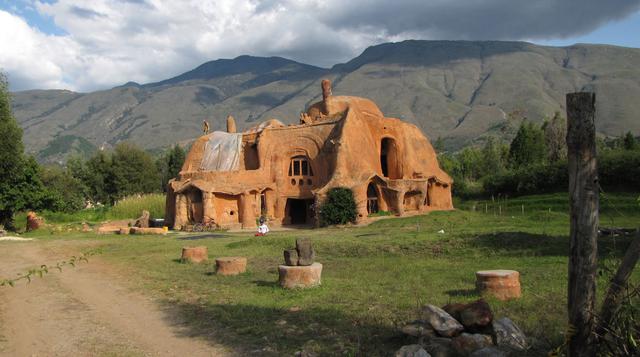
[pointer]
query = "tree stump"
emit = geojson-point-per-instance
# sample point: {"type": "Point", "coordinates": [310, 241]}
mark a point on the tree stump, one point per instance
{"type": "Point", "coordinates": [502, 284]}
{"type": "Point", "coordinates": [292, 277]}
{"type": "Point", "coordinates": [194, 254]}
{"type": "Point", "coordinates": [231, 265]}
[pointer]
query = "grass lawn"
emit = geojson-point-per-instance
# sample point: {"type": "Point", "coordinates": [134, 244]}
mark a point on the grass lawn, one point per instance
{"type": "Point", "coordinates": [375, 278]}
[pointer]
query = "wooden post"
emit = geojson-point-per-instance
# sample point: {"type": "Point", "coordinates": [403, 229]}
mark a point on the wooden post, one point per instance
{"type": "Point", "coordinates": [583, 202]}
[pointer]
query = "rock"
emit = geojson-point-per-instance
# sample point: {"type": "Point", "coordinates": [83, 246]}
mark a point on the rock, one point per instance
{"type": "Point", "coordinates": [476, 314]}
{"type": "Point", "coordinates": [502, 284]}
{"type": "Point", "coordinates": [509, 335]}
{"type": "Point", "coordinates": [2, 231]}
{"type": "Point", "coordinates": [86, 227]}
{"type": "Point", "coordinates": [418, 328]}
{"type": "Point", "coordinates": [488, 352]}
{"type": "Point", "coordinates": [290, 257]}
{"type": "Point", "coordinates": [194, 254]}
{"type": "Point", "coordinates": [138, 230]}
{"type": "Point", "coordinates": [231, 265]}
{"type": "Point", "coordinates": [143, 221]}
{"type": "Point", "coordinates": [291, 277]}
{"type": "Point", "coordinates": [444, 324]}
{"type": "Point", "coordinates": [412, 351]}
{"type": "Point", "coordinates": [306, 254]}
{"type": "Point", "coordinates": [33, 221]}
{"type": "Point", "coordinates": [124, 230]}
{"type": "Point", "coordinates": [440, 347]}
{"type": "Point", "coordinates": [113, 227]}
{"type": "Point", "coordinates": [467, 343]}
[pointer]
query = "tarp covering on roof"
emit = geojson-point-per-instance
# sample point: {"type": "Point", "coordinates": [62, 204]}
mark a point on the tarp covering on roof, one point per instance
{"type": "Point", "coordinates": [222, 152]}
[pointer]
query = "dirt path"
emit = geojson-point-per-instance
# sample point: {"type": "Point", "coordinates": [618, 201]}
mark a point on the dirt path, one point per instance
{"type": "Point", "coordinates": [84, 311]}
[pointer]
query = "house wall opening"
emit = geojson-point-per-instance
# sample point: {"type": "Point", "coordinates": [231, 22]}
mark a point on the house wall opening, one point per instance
{"type": "Point", "coordinates": [372, 199]}
{"type": "Point", "coordinates": [389, 159]}
{"type": "Point", "coordinates": [298, 211]}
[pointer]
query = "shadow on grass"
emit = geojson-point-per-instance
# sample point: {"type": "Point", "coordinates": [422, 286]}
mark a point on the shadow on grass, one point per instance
{"type": "Point", "coordinates": [463, 293]}
{"type": "Point", "coordinates": [267, 283]}
{"type": "Point", "coordinates": [267, 331]}
{"type": "Point", "coordinates": [531, 244]}
{"type": "Point", "coordinates": [204, 236]}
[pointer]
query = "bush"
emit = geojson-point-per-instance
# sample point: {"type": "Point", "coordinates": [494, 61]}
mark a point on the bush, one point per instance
{"type": "Point", "coordinates": [338, 208]}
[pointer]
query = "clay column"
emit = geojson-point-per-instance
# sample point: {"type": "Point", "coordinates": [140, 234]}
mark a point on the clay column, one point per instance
{"type": "Point", "coordinates": [181, 211]}
{"type": "Point", "coordinates": [400, 202]}
{"type": "Point", "coordinates": [208, 208]}
{"type": "Point", "coordinates": [270, 200]}
{"type": "Point", "coordinates": [360, 196]}
{"type": "Point", "coordinates": [248, 218]}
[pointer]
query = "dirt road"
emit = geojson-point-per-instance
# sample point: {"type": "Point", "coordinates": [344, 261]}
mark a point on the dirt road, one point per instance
{"type": "Point", "coordinates": [84, 311]}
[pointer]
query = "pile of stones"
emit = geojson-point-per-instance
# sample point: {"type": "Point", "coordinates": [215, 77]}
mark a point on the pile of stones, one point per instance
{"type": "Point", "coordinates": [462, 330]}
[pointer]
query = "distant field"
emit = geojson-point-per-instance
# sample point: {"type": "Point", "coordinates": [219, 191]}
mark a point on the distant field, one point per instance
{"type": "Point", "coordinates": [375, 278]}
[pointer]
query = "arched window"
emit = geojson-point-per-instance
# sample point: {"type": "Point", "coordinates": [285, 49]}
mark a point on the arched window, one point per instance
{"type": "Point", "coordinates": [300, 166]}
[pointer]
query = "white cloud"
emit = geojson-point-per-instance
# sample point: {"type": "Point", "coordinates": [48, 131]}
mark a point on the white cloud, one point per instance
{"type": "Point", "coordinates": [110, 42]}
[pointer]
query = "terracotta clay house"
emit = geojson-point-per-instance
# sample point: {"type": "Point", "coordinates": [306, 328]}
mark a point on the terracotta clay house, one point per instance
{"type": "Point", "coordinates": [284, 172]}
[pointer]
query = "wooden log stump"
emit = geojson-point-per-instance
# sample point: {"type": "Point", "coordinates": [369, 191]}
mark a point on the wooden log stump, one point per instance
{"type": "Point", "coordinates": [124, 230]}
{"type": "Point", "coordinates": [194, 254]}
{"type": "Point", "coordinates": [292, 277]}
{"type": "Point", "coordinates": [502, 284]}
{"type": "Point", "coordinates": [138, 230]}
{"type": "Point", "coordinates": [231, 265]}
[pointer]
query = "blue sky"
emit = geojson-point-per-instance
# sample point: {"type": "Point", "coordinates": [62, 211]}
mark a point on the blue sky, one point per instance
{"type": "Point", "coordinates": [87, 45]}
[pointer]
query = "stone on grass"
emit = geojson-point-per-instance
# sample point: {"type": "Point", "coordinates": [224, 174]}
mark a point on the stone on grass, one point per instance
{"type": "Point", "coordinates": [86, 227]}
{"type": "Point", "coordinates": [488, 352]}
{"type": "Point", "coordinates": [440, 347]}
{"type": "Point", "coordinates": [412, 351]}
{"type": "Point", "coordinates": [291, 257]}
{"type": "Point", "coordinates": [508, 334]}
{"type": "Point", "coordinates": [194, 254]}
{"type": "Point", "coordinates": [418, 328]}
{"type": "Point", "coordinates": [138, 230]}
{"type": "Point", "coordinates": [466, 343]}
{"type": "Point", "coordinates": [34, 221]}
{"type": "Point", "coordinates": [292, 277]}
{"type": "Point", "coordinates": [231, 265]}
{"type": "Point", "coordinates": [476, 314]}
{"type": "Point", "coordinates": [306, 254]}
{"type": "Point", "coordinates": [444, 324]}
{"type": "Point", "coordinates": [502, 284]}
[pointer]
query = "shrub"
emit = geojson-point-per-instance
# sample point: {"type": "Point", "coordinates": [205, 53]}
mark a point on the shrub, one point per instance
{"type": "Point", "coordinates": [338, 208]}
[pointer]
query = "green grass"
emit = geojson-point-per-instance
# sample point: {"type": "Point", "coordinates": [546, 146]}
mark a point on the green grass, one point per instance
{"type": "Point", "coordinates": [375, 278]}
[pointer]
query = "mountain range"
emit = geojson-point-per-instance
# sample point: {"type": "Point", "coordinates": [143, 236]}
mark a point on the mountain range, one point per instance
{"type": "Point", "coordinates": [459, 91]}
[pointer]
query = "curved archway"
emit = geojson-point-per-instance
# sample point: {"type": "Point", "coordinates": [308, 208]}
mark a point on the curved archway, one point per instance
{"type": "Point", "coordinates": [390, 159]}
{"type": "Point", "coordinates": [372, 199]}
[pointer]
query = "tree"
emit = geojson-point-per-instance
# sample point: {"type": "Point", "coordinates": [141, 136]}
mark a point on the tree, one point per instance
{"type": "Point", "coordinates": [528, 147]}
{"type": "Point", "coordinates": [132, 171]}
{"type": "Point", "coordinates": [492, 161]}
{"type": "Point", "coordinates": [170, 164]}
{"type": "Point", "coordinates": [555, 132]}
{"type": "Point", "coordinates": [11, 158]}
{"type": "Point", "coordinates": [629, 141]}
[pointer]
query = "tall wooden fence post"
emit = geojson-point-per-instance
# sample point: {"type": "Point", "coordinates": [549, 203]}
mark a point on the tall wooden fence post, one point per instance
{"type": "Point", "coordinates": [583, 201]}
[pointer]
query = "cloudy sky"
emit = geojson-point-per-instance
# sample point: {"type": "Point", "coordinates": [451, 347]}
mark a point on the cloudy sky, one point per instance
{"type": "Point", "coordinates": [86, 45]}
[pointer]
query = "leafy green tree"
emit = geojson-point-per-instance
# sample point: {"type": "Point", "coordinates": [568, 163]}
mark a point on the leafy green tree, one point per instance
{"type": "Point", "coordinates": [339, 207]}
{"type": "Point", "coordinates": [65, 192]}
{"type": "Point", "coordinates": [528, 147]}
{"type": "Point", "coordinates": [170, 164]}
{"type": "Point", "coordinates": [492, 158]}
{"type": "Point", "coordinates": [132, 171]}
{"type": "Point", "coordinates": [20, 184]}
{"type": "Point", "coordinates": [629, 142]}
{"type": "Point", "coordinates": [555, 133]}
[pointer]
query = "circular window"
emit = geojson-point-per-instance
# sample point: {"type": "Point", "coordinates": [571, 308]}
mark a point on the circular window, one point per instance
{"type": "Point", "coordinates": [301, 182]}
{"type": "Point", "coordinates": [293, 182]}
{"type": "Point", "coordinates": [232, 213]}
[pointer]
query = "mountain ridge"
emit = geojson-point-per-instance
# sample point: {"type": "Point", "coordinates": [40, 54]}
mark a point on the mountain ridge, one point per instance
{"type": "Point", "coordinates": [462, 91]}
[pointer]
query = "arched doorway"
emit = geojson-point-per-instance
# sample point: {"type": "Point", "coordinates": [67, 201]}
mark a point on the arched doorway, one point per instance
{"type": "Point", "coordinates": [194, 205]}
{"type": "Point", "coordinates": [390, 159]}
{"type": "Point", "coordinates": [372, 199]}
